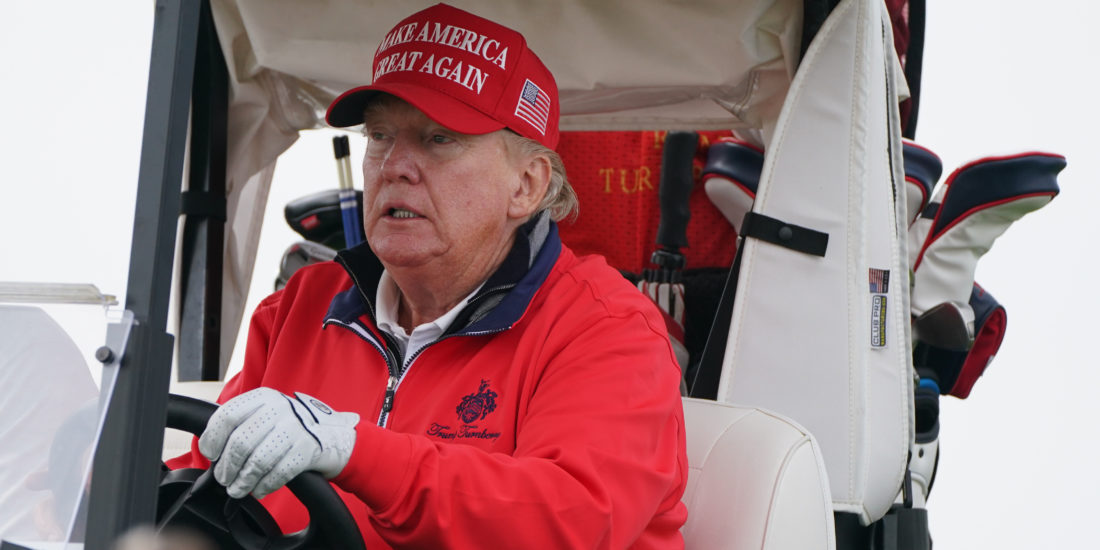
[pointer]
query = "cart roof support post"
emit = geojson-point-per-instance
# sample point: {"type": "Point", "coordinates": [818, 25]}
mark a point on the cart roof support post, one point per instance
{"type": "Point", "coordinates": [124, 484]}
{"type": "Point", "coordinates": [204, 208]}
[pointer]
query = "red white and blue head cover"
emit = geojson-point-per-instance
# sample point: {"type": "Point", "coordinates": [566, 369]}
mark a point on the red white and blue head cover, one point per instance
{"type": "Point", "coordinates": [465, 72]}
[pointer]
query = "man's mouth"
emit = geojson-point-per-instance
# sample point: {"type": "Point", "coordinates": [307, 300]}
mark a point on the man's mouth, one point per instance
{"type": "Point", "coordinates": [401, 213]}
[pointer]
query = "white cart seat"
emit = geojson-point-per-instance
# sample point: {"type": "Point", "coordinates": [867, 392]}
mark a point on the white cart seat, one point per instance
{"type": "Point", "coordinates": [757, 481]}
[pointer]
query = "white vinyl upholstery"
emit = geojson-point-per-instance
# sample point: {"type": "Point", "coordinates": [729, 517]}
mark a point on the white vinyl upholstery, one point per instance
{"type": "Point", "coordinates": [757, 482]}
{"type": "Point", "coordinates": [824, 340]}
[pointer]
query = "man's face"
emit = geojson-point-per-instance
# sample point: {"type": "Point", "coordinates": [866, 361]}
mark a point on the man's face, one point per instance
{"type": "Point", "coordinates": [433, 197]}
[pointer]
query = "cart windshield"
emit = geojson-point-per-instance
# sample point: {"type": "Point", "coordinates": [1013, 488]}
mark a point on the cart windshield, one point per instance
{"type": "Point", "coordinates": [58, 359]}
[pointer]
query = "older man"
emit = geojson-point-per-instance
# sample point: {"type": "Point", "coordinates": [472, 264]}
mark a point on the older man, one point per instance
{"type": "Point", "coordinates": [500, 392]}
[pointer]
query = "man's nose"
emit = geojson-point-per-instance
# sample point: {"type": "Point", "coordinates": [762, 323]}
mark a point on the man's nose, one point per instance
{"type": "Point", "coordinates": [402, 162]}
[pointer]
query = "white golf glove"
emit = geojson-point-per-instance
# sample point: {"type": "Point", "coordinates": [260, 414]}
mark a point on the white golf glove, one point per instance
{"type": "Point", "coordinates": [264, 439]}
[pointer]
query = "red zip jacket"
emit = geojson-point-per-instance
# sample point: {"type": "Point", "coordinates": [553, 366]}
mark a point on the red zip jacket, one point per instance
{"type": "Point", "coordinates": [547, 416]}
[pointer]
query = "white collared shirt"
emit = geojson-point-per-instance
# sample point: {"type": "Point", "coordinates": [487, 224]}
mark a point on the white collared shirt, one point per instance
{"type": "Point", "coordinates": [388, 297]}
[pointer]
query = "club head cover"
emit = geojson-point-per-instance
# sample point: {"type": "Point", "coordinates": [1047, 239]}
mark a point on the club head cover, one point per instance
{"type": "Point", "coordinates": [918, 230]}
{"type": "Point", "coordinates": [299, 255]}
{"type": "Point", "coordinates": [956, 372]}
{"type": "Point", "coordinates": [924, 449]}
{"type": "Point", "coordinates": [923, 462]}
{"type": "Point", "coordinates": [926, 406]}
{"type": "Point", "coordinates": [731, 176]}
{"type": "Point", "coordinates": [980, 201]}
{"type": "Point", "coordinates": [922, 170]}
{"type": "Point", "coordinates": [317, 217]}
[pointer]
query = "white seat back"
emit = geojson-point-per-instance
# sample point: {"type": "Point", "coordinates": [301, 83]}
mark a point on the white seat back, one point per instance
{"type": "Point", "coordinates": [757, 482]}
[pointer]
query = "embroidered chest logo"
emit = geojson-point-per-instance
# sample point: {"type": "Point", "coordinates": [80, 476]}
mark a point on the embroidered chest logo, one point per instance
{"type": "Point", "coordinates": [473, 407]}
{"type": "Point", "coordinates": [476, 406]}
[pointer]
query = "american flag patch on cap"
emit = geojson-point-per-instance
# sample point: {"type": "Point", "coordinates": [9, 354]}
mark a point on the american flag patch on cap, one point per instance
{"type": "Point", "coordinates": [533, 106]}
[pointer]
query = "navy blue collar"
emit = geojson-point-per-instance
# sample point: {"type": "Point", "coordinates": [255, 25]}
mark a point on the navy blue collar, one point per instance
{"type": "Point", "coordinates": [497, 306]}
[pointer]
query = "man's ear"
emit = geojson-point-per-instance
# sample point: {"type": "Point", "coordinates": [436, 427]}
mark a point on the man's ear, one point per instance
{"type": "Point", "coordinates": [533, 183]}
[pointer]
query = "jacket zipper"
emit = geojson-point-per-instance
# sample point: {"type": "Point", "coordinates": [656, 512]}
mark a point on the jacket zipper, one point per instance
{"type": "Point", "coordinates": [396, 373]}
{"type": "Point", "coordinates": [395, 381]}
{"type": "Point", "coordinates": [397, 368]}
{"type": "Point", "coordinates": [392, 364]}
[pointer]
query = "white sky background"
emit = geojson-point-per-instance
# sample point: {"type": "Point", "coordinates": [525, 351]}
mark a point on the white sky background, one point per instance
{"type": "Point", "coordinates": [1018, 464]}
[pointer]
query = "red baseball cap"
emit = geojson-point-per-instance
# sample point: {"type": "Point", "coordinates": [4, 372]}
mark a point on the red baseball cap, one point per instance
{"type": "Point", "coordinates": [463, 71]}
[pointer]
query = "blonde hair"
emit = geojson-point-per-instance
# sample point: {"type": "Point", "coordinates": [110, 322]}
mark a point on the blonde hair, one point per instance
{"type": "Point", "coordinates": [560, 199]}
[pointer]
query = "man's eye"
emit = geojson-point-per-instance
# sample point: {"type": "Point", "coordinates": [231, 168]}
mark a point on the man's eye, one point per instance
{"type": "Point", "coordinates": [440, 139]}
{"type": "Point", "coordinates": [376, 136]}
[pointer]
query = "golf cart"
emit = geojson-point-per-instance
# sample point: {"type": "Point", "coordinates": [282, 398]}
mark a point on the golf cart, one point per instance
{"type": "Point", "coordinates": [826, 229]}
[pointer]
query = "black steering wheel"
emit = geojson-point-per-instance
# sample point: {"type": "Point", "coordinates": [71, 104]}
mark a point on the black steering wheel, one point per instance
{"type": "Point", "coordinates": [192, 499]}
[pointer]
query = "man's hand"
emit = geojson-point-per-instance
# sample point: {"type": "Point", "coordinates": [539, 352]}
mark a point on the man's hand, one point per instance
{"type": "Point", "coordinates": [265, 438]}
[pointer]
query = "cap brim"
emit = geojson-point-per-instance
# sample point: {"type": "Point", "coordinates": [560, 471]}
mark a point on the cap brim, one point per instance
{"type": "Point", "coordinates": [347, 110]}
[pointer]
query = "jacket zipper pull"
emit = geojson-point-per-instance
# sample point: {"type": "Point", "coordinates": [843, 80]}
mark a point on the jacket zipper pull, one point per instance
{"type": "Point", "coordinates": [391, 385]}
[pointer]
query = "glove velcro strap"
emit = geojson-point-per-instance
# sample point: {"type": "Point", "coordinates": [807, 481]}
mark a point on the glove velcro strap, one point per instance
{"type": "Point", "coordinates": [305, 424]}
